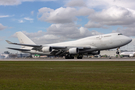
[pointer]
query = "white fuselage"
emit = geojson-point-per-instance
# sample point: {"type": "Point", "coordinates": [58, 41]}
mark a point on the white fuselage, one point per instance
{"type": "Point", "coordinates": [131, 54]}
{"type": "Point", "coordinates": [100, 42]}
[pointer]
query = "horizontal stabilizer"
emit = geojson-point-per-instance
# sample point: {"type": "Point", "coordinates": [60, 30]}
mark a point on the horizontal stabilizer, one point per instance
{"type": "Point", "coordinates": [8, 42]}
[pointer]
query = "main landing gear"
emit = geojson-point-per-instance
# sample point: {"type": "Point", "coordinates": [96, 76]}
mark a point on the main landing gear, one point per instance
{"type": "Point", "coordinates": [69, 56]}
{"type": "Point", "coordinates": [72, 56]}
{"type": "Point", "coordinates": [79, 56]}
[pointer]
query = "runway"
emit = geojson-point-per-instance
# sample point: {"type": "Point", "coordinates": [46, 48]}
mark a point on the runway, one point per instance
{"type": "Point", "coordinates": [95, 59]}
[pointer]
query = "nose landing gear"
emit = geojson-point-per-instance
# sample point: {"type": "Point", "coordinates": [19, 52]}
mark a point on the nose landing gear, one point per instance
{"type": "Point", "coordinates": [118, 53]}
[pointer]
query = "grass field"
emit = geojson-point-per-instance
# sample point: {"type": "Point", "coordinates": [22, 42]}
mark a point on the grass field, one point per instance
{"type": "Point", "coordinates": [67, 75]}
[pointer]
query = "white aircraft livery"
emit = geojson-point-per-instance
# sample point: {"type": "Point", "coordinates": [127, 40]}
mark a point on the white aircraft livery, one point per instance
{"type": "Point", "coordinates": [86, 46]}
{"type": "Point", "coordinates": [131, 54]}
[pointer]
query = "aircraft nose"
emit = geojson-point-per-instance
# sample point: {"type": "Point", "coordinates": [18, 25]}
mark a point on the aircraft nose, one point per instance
{"type": "Point", "coordinates": [128, 40]}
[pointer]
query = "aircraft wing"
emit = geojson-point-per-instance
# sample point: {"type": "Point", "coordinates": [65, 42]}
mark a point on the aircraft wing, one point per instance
{"type": "Point", "coordinates": [35, 47]}
{"type": "Point", "coordinates": [19, 49]}
{"type": "Point", "coordinates": [56, 50]}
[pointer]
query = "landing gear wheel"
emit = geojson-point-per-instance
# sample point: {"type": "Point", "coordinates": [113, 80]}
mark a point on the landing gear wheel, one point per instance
{"type": "Point", "coordinates": [117, 52]}
{"type": "Point", "coordinates": [80, 57]}
{"type": "Point", "coordinates": [66, 57]}
{"type": "Point", "coordinates": [69, 57]}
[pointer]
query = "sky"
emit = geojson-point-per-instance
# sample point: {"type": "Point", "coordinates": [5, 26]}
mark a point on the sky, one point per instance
{"type": "Point", "coordinates": [51, 21]}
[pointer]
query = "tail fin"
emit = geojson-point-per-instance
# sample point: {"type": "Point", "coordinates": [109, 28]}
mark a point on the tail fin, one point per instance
{"type": "Point", "coordinates": [23, 39]}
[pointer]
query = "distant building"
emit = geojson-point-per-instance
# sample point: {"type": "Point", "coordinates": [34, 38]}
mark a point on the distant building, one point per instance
{"type": "Point", "coordinates": [23, 55]}
{"type": "Point", "coordinates": [111, 53]}
{"type": "Point", "coordinates": [5, 54]}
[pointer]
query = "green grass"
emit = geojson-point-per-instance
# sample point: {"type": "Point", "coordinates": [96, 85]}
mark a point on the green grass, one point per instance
{"type": "Point", "coordinates": [67, 75]}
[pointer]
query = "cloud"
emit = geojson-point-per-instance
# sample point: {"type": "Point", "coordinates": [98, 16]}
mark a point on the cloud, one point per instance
{"type": "Point", "coordinates": [1, 39]}
{"type": "Point", "coordinates": [111, 16]}
{"type": "Point", "coordinates": [21, 21]}
{"type": "Point", "coordinates": [102, 4]}
{"type": "Point", "coordinates": [84, 11]}
{"type": "Point", "coordinates": [76, 3]}
{"type": "Point", "coordinates": [36, 34]}
{"type": "Point", "coordinates": [69, 31]}
{"type": "Point", "coordinates": [93, 25]}
{"type": "Point", "coordinates": [36, 0]}
{"type": "Point", "coordinates": [10, 2]}
{"type": "Point", "coordinates": [84, 32]}
{"type": "Point", "coordinates": [32, 12]}
{"type": "Point", "coordinates": [27, 18]}
{"type": "Point", "coordinates": [2, 27]}
{"type": "Point", "coordinates": [62, 15]}
{"type": "Point", "coordinates": [47, 38]}
{"type": "Point", "coordinates": [64, 30]}
{"type": "Point", "coordinates": [4, 16]}
{"type": "Point", "coordinates": [17, 2]}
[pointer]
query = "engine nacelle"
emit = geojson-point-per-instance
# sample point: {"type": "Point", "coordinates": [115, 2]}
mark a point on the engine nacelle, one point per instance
{"type": "Point", "coordinates": [73, 50]}
{"type": "Point", "coordinates": [46, 49]}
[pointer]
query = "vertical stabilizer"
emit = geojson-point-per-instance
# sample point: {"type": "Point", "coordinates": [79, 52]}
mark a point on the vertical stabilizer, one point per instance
{"type": "Point", "coordinates": [23, 39]}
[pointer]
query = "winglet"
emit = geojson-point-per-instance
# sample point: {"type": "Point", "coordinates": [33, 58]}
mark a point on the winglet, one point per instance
{"type": "Point", "coordinates": [8, 42]}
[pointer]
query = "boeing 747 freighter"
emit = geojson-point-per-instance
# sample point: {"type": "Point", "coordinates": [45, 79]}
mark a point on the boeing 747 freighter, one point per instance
{"type": "Point", "coordinates": [86, 46]}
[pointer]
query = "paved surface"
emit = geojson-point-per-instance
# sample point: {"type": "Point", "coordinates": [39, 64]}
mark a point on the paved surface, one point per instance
{"type": "Point", "coordinates": [105, 59]}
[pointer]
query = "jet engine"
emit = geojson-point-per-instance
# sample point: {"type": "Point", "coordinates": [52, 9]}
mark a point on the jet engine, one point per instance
{"type": "Point", "coordinates": [73, 50]}
{"type": "Point", "coordinates": [46, 49]}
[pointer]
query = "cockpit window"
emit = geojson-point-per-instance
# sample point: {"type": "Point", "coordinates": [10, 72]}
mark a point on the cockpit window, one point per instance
{"type": "Point", "coordinates": [120, 34]}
